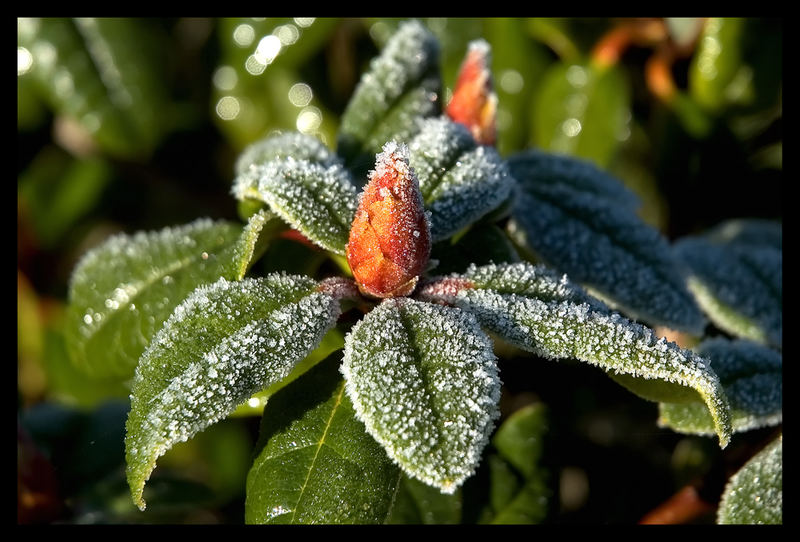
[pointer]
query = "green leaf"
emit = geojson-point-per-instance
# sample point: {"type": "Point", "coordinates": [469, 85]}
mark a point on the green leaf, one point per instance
{"type": "Point", "coordinates": [519, 493]}
{"type": "Point", "coordinates": [402, 85]}
{"type": "Point", "coordinates": [752, 378]}
{"type": "Point", "coordinates": [754, 495]}
{"type": "Point", "coordinates": [737, 279]}
{"type": "Point", "coordinates": [100, 73]}
{"type": "Point", "coordinates": [122, 291]}
{"type": "Point", "coordinates": [225, 342]}
{"type": "Point", "coordinates": [316, 198]}
{"type": "Point", "coordinates": [577, 220]}
{"type": "Point", "coordinates": [582, 110]}
{"type": "Point", "coordinates": [423, 379]}
{"type": "Point", "coordinates": [253, 242]}
{"type": "Point", "coordinates": [460, 180]}
{"type": "Point", "coordinates": [534, 309]}
{"type": "Point", "coordinates": [316, 463]}
{"type": "Point", "coordinates": [417, 503]}
{"type": "Point", "coordinates": [482, 244]}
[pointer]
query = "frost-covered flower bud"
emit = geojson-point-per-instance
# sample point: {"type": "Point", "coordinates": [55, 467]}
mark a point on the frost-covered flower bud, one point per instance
{"type": "Point", "coordinates": [390, 240]}
{"type": "Point", "coordinates": [474, 102]}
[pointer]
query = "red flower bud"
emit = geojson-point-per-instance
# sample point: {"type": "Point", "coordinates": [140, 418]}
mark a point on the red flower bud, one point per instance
{"type": "Point", "coordinates": [390, 239]}
{"type": "Point", "coordinates": [474, 103]}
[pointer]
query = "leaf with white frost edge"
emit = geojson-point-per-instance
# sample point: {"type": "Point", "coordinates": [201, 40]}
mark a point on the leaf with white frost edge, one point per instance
{"type": "Point", "coordinates": [738, 283]}
{"type": "Point", "coordinates": [423, 379]}
{"type": "Point", "coordinates": [753, 381]}
{"type": "Point", "coordinates": [460, 180]}
{"type": "Point", "coordinates": [225, 342]}
{"type": "Point", "coordinates": [402, 85]}
{"type": "Point", "coordinates": [530, 307]}
{"type": "Point", "coordinates": [319, 201]}
{"type": "Point", "coordinates": [754, 495]}
{"type": "Point", "coordinates": [282, 146]}
{"type": "Point", "coordinates": [315, 463]}
{"type": "Point", "coordinates": [590, 231]}
{"type": "Point", "coordinates": [122, 291]}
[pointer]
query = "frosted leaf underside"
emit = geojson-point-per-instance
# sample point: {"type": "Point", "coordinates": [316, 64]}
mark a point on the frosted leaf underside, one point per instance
{"type": "Point", "coordinates": [552, 319]}
{"type": "Point", "coordinates": [225, 342]}
{"type": "Point", "coordinates": [122, 291]}
{"type": "Point", "coordinates": [738, 281]}
{"type": "Point", "coordinates": [751, 375]}
{"type": "Point", "coordinates": [401, 86]}
{"type": "Point", "coordinates": [423, 379]}
{"type": "Point", "coordinates": [590, 231]}
{"type": "Point", "coordinates": [754, 495]}
{"type": "Point", "coordinates": [460, 180]}
{"type": "Point", "coordinates": [319, 201]}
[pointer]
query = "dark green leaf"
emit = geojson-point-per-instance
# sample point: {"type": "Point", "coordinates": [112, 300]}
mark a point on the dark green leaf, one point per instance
{"type": "Point", "coordinates": [98, 72]}
{"type": "Point", "coordinates": [577, 220]}
{"type": "Point", "coordinates": [737, 279]}
{"type": "Point", "coordinates": [122, 291]}
{"type": "Point", "coordinates": [316, 463]}
{"type": "Point", "coordinates": [402, 85]}
{"type": "Point", "coordinates": [423, 379]}
{"type": "Point", "coordinates": [225, 342]}
{"type": "Point", "coordinates": [752, 378]}
{"type": "Point", "coordinates": [481, 244]}
{"type": "Point", "coordinates": [460, 180]}
{"type": "Point", "coordinates": [417, 503]}
{"type": "Point", "coordinates": [754, 495]}
{"type": "Point", "coordinates": [536, 310]}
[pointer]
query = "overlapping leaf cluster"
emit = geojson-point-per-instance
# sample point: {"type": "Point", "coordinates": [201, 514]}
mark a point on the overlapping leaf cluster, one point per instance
{"type": "Point", "coordinates": [413, 397]}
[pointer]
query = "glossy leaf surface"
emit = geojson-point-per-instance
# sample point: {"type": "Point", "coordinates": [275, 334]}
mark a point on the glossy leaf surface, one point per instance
{"type": "Point", "coordinates": [423, 379]}
{"type": "Point", "coordinates": [122, 291]}
{"type": "Point", "coordinates": [225, 342]}
{"type": "Point", "coordinates": [316, 463]}
{"type": "Point", "coordinates": [578, 221]}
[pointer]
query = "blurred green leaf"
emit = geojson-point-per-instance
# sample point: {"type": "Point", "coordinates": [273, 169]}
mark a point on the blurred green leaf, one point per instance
{"type": "Point", "coordinates": [315, 463]}
{"type": "Point", "coordinates": [101, 73]}
{"type": "Point", "coordinates": [483, 243]}
{"type": "Point", "coordinates": [582, 110]}
{"type": "Point", "coordinates": [417, 503]}
{"type": "Point", "coordinates": [754, 495]}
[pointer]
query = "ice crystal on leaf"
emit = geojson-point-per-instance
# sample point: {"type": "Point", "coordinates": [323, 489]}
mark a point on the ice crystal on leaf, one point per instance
{"type": "Point", "coordinates": [754, 495]}
{"type": "Point", "coordinates": [225, 342]}
{"type": "Point", "coordinates": [423, 379]}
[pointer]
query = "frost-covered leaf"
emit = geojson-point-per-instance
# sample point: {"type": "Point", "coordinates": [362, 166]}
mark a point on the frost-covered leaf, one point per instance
{"type": "Point", "coordinates": [752, 378]}
{"type": "Point", "coordinates": [460, 180]}
{"type": "Point", "coordinates": [402, 85]}
{"type": "Point", "coordinates": [518, 491]}
{"type": "Point", "coordinates": [122, 291]}
{"type": "Point", "coordinates": [417, 503]}
{"type": "Point", "coordinates": [534, 310]}
{"type": "Point", "coordinates": [253, 241]}
{"type": "Point", "coordinates": [423, 378]}
{"type": "Point", "coordinates": [283, 146]}
{"type": "Point", "coordinates": [736, 274]}
{"type": "Point", "coordinates": [586, 227]}
{"type": "Point", "coordinates": [223, 343]}
{"type": "Point", "coordinates": [754, 495]}
{"type": "Point", "coordinates": [318, 200]}
{"type": "Point", "coordinates": [101, 73]}
{"type": "Point", "coordinates": [316, 463]}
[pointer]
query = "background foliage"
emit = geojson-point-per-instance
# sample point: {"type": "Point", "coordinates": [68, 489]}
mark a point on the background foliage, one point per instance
{"type": "Point", "coordinates": [127, 125]}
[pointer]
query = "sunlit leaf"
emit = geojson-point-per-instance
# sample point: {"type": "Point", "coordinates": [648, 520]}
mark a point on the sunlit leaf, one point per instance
{"type": "Point", "coordinates": [222, 344]}
{"type": "Point", "coordinates": [401, 86]}
{"type": "Point", "coordinates": [100, 73]}
{"type": "Point", "coordinates": [754, 495]}
{"type": "Point", "coordinates": [577, 220]}
{"type": "Point", "coordinates": [534, 309]}
{"type": "Point", "coordinates": [316, 463]}
{"type": "Point", "coordinates": [253, 242]}
{"type": "Point", "coordinates": [122, 291]}
{"type": "Point", "coordinates": [460, 180]}
{"type": "Point", "coordinates": [423, 379]}
{"type": "Point", "coordinates": [316, 199]}
{"type": "Point", "coordinates": [751, 375]}
{"type": "Point", "coordinates": [736, 274]}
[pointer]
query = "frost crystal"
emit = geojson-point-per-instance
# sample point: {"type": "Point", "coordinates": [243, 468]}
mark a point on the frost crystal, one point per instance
{"type": "Point", "coordinates": [317, 200]}
{"type": "Point", "coordinates": [225, 342]}
{"type": "Point", "coordinates": [754, 495]}
{"type": "Point", "coordinates": [423, 379]}
{"type": "Point", "coordinates": [460, 181]}
{"type": "Point", "coordinates": [288, 145]}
